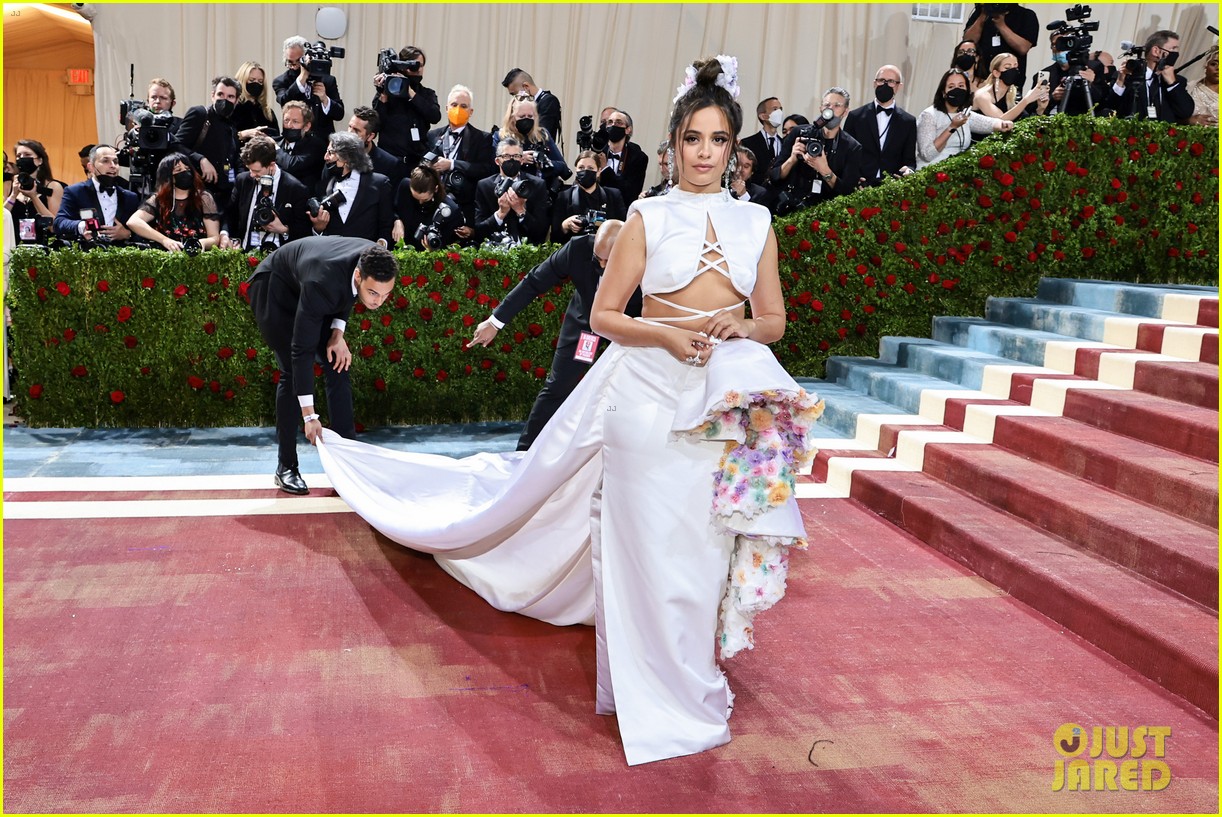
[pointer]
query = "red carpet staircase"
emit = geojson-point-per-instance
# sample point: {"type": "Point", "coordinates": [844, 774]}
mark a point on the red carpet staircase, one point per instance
{"type": "Point", "coordinates": [1065, 448]}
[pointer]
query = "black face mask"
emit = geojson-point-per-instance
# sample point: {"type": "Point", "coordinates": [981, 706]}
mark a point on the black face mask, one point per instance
{"type": "Point", "coordinates": [25, 164]}
{"type": "Point", "coordinates": [292, 134]}
{"type": "Point", "coordinates": [1011, 76]}
{"type": "Point", "coordinates": [255, 89]}
{"type": "Point", "coordinates": [965, 61]}
{"type": "Point", "coordinates": [525, 126]}
{"type": "Point", "coordinates": [586, 178]}
{"type": "Point", "coordinates": [333, 170]}
{"type": "Point", "coordinates": [106, 184]}
{"type": "Point", "coordinates": [1111, 73]}
{"type": "Point", "coordinates": [511, 167]}
{"type": "Point", "coordinates": [8, 177]}
{"type": "Point", "coordinates": [223, 108]}
{"type": "Point", "coordinates": [616, 133]}
{"type": "Point", "coordinates": [956, 97]}
{"type": "Point", "coordinates": [184, 180]}
{"type": "Point", "coordinates": [884, 93]}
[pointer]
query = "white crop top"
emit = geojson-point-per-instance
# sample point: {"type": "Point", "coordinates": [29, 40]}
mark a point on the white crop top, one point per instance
{"type": "Point", "coordinates": [676, 225]}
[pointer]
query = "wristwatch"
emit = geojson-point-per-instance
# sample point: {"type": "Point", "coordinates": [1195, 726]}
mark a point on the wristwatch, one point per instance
{"type": "Point", "coordinates": [827, 177]}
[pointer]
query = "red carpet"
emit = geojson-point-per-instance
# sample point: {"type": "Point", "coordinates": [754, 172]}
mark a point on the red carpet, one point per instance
{"type": "Point", "coordinates": [300, 663]}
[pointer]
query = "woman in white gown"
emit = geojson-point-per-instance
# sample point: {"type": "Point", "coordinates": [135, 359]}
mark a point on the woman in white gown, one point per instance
{"type": "Point", "coordinates": [658, 503]}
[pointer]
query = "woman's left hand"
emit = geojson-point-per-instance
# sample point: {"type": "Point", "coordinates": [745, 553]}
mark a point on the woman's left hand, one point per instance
{"type": "Point", "coordinates": [724, 325]}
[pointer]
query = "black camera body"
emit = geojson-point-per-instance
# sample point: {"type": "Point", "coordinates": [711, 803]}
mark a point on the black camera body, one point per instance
{"type": "Point", "coordinates": [517, 184]}
{"type": "Point", "coordinates": [192, 246]}
{"type": "Point", "coordinates": [264, 212]}
{"type": "Point", "coordinates": [1074, 38]}
{"type": "Point", "coordinates": [318, 59]}
{"type": "Point", "coordinates": [446, 219]}
{"type": "Point", "coordinates": [812, 137]}
{"type": "Point", "coordinates": [591, 221]}
{"type": "Point", "coordinates": [993, 9]}
{"type": "Point", "coordinates": [429, 159]}
{"type": "Point", "coordinates": [590, 139]}
{"type": "Point", "coordinates": [389, 63]}
{"type": "Point", "coordinates": [330, 203]}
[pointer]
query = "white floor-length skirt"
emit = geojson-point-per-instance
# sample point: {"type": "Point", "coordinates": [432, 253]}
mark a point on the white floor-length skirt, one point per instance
{"type": "Point", "coordinates": [606, 520]}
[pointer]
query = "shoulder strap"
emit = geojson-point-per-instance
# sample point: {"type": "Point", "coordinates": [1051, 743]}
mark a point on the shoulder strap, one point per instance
{"type": "Point", "coordinates": [203, 133]}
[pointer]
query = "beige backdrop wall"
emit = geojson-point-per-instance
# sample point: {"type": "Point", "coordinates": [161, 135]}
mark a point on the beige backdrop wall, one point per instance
{"type": "Point", "coordinates": [629, 55]}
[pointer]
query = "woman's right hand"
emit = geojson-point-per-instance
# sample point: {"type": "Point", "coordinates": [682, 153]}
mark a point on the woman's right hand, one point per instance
{"type": "Point", "coordinates": [572, 224]}
{"type": "Point", "coordinates": [170, 244]}
{"type": "Point", "coordinates": [396, 232]}
{"type": "Point", "coordinates": [683, 344]}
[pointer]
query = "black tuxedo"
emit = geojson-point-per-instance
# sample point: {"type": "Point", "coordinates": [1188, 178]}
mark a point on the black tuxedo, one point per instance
{"type": "Point", "coordinates": [305, 160]}
{"type": "Point", "coordinates": [575, 261]}
{"type": "Point", "coordinates": [296, 292]}
{"type": "Point", "coordinates": [531, 227]}
{"type": "Point", "coordinates": [1172, 104]}
{"type": "Point", "coordinates": [83, 195]}
{"type": "Point", "coordinates": [406, 123]}
{"type": "Point", "coordinates": [573, 201]}
{"type": "Point", "coordinates": [900, 150]}
{"type": "Point", "coordinates": [389, 166]}
{"type": "Point", "coordinates": [843, 158]}
{"type": "Point", "coordinates": [474, 160]}
{"type": "Point", "coordinates": [758, 194]}
{"type": "Point", "coordinates": [373, 213]}
{"type": "Point", "coordinates": [289, 202]}
{"type": "Point", "coordinates": [219, 145]}
{"type": "Point", "coordinates": [764, 157]}
{"type": "Point", "coordinates": [286, 90]}
{"type": "Point", "coordinates": [630, 181]}
{"type": "Point", "coordinates": [548, 107]}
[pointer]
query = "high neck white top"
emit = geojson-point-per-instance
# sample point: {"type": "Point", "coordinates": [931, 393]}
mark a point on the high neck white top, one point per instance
{"type": "Point", "coordinates": [675, 230]}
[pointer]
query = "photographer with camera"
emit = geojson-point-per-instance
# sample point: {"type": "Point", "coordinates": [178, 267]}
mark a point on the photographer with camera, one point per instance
{"type": "Point", "coordinates": [268, 206]}
{"type": "Point", "coordinates": [150, 132]}
{"type": "Point", "coordinates": [309, 80]}
{"type": "Point", "coordinates": [355, 201]}
{"type": "Point", "coordinates": [511, 207]}
{"type": "Point", "coordinates": [627, 164]}
{"type": "Point", "coordinates": [998, 96]}
{"type": "Point", "coordinates": [540, 156]}
{"type": "Point", "coordinates": [582, 261]}
{"type": "Point", "coordinates": [1150, 88]}
{"type": "Point", "coordinates": [821, 161]}
{"type": "Point", "coordinates": [253, 114]}
{"type": "Point", "coordinates": [583, 206]}
{"type": "Point", "coordinates": [1071, 77]}
{"type": "Point", "coordinates": [98, 208]}
{"type": "Point", "coordinates": [521, 85]}
{"type": "Point", "coordinates": [1001, 27]}
{"type": "Point", "coordinates": [181, 215]}
{"type": "Point", "coordinates": [366, 124]}
{"type": "Point", "coordinates": [663, 186]}
{"type": "Point", "coordinates": [210, 138]}
{"type": "Point", "coordinates": [408, 108]}
{"type": "Point", "coordinates": [460, 152]}
{"type": "Point", "coordinates": [35, 196]}
{"type": "Point", "coordinates": [301, 150]}
{"type": "Point", "coordinates": [940, 127]}
{"type": "Point", "coordinates": [426, 217]}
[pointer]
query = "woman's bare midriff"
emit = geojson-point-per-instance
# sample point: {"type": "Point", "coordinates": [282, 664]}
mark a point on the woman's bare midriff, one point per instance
{"type": "Point", "coordinates": [707, 292]}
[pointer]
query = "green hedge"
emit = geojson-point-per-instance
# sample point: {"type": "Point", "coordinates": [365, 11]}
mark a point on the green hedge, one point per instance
{"type": "Point", "coordinates": [134, 338]}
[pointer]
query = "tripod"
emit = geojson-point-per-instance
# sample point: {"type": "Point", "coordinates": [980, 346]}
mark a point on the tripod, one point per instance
{"type": "Point", "coordinates": [1077, 97]}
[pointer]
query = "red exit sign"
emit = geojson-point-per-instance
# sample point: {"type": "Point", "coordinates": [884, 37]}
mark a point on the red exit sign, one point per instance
{"type": "Point", "coordinates": [80, 76]}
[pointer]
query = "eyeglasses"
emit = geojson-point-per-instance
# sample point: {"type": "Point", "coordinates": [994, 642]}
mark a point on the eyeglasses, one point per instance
{"type": "Point", "coordinates": [894, 83]}
{"type": "Point", "coordinates": [511, 155]}
{"type": "Point", "coordinates": [970, 53]}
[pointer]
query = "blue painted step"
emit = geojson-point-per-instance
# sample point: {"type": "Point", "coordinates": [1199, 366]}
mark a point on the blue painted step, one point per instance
{"type": "Point", "coordinates": [1143, 300]}
{"type": "Point", "coordinates": [842, 405]}
{"type": "Point", "coordinates": [892, 383]}
{"type": "Point", "coordinates": [1081, 322]}
{"type": "Point", "coordinates": [1012, 343]}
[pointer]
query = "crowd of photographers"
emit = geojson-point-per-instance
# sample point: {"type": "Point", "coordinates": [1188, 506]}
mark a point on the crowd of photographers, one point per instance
{"type": "Point", "coordinates": [406, 167]}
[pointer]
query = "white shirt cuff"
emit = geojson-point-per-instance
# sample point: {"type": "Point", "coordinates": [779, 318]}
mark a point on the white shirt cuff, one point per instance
{"type": "Point", "coordinates": [498, 324]}
{"type": "Point", "coordinates": [305, 400]}
{"type": "Point", "coordinates": [301, 86]}
{"type": "Point", "coordinates": [336, 323]}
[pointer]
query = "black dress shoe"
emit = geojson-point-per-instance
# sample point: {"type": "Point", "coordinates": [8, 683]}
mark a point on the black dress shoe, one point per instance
{"type": "Point", "coordinates": [289, 480]}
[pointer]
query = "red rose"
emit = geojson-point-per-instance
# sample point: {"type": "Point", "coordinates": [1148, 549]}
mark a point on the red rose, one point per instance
{"type": "Point", "coordinates": [388, 340]}
{"type": "Point", "coordinates": [540, 372]}
{"type": "Point", "coordinates": [869, 281]}
{"type": "Point", "coordinates": [251, 261]}
{"type": "Point", "coordinates": [1173, 252]}
{"type": "Point", "coordinates": [400, 302]}
{"type": "Point", "coordinates": [181, 290]}
{"type": "Point", "coordinates": [909, 288]}
{"type": "Point", "coordinates": [931, 193]}
{"type": "Point", "coordinates": [535, 330]}
{"type": "Point", "coordinates": [212, 278]}
{"type": "Point", "coordinates": [417, 372]}
{"type": "Point", "coordinates": [817, 306]}
{"type": "Point", "coordinates": [148, 283]}
{"type": "Point", "coordinates": [366, 324]}
{"type": "Point", "coordinates": [987, 162]}
{"type": "Point", "coordinates": [499, 377]}
{"type": "Point", "coordinates": [1197, 149]}
{"type": "Point", "coordinates": [1006, 180]}
{"type": "Point", "coordinates": [1050, 166]}
{"type": "Point", "coordinates": [804, 245]}
{"type": "Point", "coordinates": [452, 306]}
{"type": "Point", "coordinates": [32, 272]}
{"type": "Point", "coordinates": [1088, 252]}
{"type": "Point", "coordinates": [317, 369]}
{"type": "Point", "coordinates": [941, 177]}
{"type": "Point", "coordinates": [117, 397]}
{"type": "Point", "coordinates": [791, 229]}
{"type": "Point", "coordinates": [422, 281]}
{"type": "Point", "coordinates": [244, 289]}
{"type": "Point", "coordinates": [900, 246]}
{"type": "Point", "coordinates": [386, 319]}
{"type": "Point", "coordinates": [130, 341]}
{"type": "Point", "coordinates": [395, 356]}
{"type": "Point", "coordinates": [379, 384]}
{"type": "Point", "coordinates": [442, 376]}
{"type": "Point", "coordinates": [845, 314]}
{"type": "Point", "coordinates": [36, 389]}
{"type": "Point", "coordinates": [103, 285]}
{"type": "Point", "coordinates": [467, 320]}
{"type": "Point", "coordinates": [209, 328]}
{"type": "Point", "coordinates": [63, 289]}
{"type": "Point", "coordinates": [950, 283]}
{"type": "Point", "coordinates": [214, 386]}
{"type": "Point", "coordinates": [366, 351]}
{"type": "Point", "coordinates": [435, 297]}
{"type": "Point", "coordinates": [1152, 148]}
{"type": "Point", "coordinates": [426, 314]}
{"type": "Point", "coordinates": [478, 263]}
{"type": "Point", "coordinates": [1011, 237]}
{"type": "Point", "coordinates": [69, 334]}
{"type": "Point", "coordinates": [862, 269]}
{"type": "Point", "coordinates": [79, 371]}
{"type": "Point", "coordinates": [439, 266]}
{"type": "Point", "coordinates": [224, 353]}
{"type": "Point", "coordinates": [983, 201]}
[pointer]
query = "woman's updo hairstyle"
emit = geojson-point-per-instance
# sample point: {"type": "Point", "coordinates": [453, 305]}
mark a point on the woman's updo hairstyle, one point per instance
{"type": "Point", "coordinates": [706, 88]}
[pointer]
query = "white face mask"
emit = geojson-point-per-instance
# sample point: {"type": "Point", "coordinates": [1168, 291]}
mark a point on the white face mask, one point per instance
{"type": "Point", "coordinates": [776, 118]}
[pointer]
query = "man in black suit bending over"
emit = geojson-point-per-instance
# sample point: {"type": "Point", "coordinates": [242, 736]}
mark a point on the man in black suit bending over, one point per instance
{"type": "Point", "coordinates": [302, 295]}
{"type": "Point", "coordinates": [885, 131]}
{"type": "Point", "coordinates": [321, 94]}
{"type": "Point", "coordinates": [361, 201]}
{"type": "Point", "coordinates": [263, 179]}
{"type": "Point", "coordinates": [99, 198]}
{"type": "Point", "coordinates": [583, 260]}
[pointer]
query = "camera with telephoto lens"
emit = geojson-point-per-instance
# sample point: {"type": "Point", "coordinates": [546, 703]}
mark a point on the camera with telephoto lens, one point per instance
{"type": "Point", "coordinates": [25, 174]}
{"type": "Point", "coordinates": [517, 184]}
{"type": "Point", "coordinates": [812, 137]}
{"type": "Point", "coordinates": [145, 145]}
{"type": "Point", "coordinates": [591, 221]}
{"type": "Point", "coordinates": [264, 212]}
{"type": "Point", "coordinates": [542, 160]}
{"type": "Point", "coordinates": [330, 203]}
{"type": "Point", "coordinates": [389, 63]}
{"type": "Point", "coordinates": [446, 219]}
{"type": "Point", "coordinates": [317, 58]}
{"type": "Point", "coordinates": [1074, 38]}
{"type": "Point", "coordinates": [590, 139]}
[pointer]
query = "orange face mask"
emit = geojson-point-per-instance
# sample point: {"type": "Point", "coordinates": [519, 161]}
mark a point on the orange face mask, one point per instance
{"type": "Point", "coordinates": [458, 116]}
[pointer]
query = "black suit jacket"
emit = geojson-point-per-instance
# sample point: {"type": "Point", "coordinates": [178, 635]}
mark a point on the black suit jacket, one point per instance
{"type": "Point", "coordinates": [372, 215]}
{"type": "Point", "coordinates": [406, 123]}
{"type": "Point", "coordinates": [1172, 105]}
{"type": "Point", "coordinates": [575, 261]}
{"type": "Point", "coordinates": [630, 181]}
{"type": "Point", "coordinates": [531, 227]}
{"type": "Point", "coordinates": [85, 195]}
{"type": "Point", "coordinates": [389, 166]}
{"type": "Point", "coordinates": [548, 107]}
{"type": "Point", "coordinates": [219, 146]}
{"type": "Point", "coordinates": [764, 157]}
{"type": "Point", "coordinates": [312, 282]}
{"type": "Point", "coordinates": [286, 90]}
{"type": "Point", "coordinates": [473, 162]}
{"type": "Point", "coordinates": [290, 204]}
{"type": "Point", "coordinates": [304, 162]}
{"type": "Point", "coordinates": [843, 158]}
{"type": "Point", "coordinates": [900, 150]}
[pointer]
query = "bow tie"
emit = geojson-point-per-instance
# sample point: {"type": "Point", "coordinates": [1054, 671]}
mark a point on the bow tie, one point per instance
{"type": "Point", "coordinates": [615, 156]}
{"type": "Point", "coordinates": [887, 111]}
